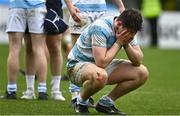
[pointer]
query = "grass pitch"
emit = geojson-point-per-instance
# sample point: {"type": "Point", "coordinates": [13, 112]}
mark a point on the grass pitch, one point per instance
{"type": "Point", "coordinates": [158, 96]}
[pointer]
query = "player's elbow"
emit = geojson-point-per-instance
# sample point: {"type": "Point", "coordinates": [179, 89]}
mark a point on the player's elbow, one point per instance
{"type": "Point", "coordinates": [101, 64]}
{"type": "Point", "coordinates": [137, 63]}
{"type": "Point", "coordinates": [138, 60]}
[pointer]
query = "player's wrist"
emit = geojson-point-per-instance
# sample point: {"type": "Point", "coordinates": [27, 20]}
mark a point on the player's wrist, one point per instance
{"type": "Point", "coordinates": [125, 46]}
{"type": "Point", "coordinates": [119, 44]}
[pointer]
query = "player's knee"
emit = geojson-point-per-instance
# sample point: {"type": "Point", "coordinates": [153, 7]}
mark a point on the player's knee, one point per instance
{"type": "Point", "coordinates": [101, 80]}
{"type": "Point", "coordinates": [38, 49]}
{"type": "Point", "coordinates": [143, 74]}
{"type": "Point", "coordinates": [54, 50]}
{"type": "Point", "coordinates": [14, 52]}
{"type": "Point", "coordinates": [103, 76]}
{"type": "Point", "coordinates": [97, 80]}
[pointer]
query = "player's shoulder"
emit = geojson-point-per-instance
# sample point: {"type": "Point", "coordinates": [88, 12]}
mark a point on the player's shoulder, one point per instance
{"type": "Point", "coordinates": [100, 22]}
{"type": "Point", "coordinates": [104, 22]}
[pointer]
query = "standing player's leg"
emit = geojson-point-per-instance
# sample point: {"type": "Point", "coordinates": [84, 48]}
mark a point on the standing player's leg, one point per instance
{"type": "Point", "coordinates": [30, 70]}
{"type": "Point", "coordinates": [54, 27]}
{"type": "Point", "coordinates": [38, 43]}
{"type": "Point", "coordinates": [30, 64]}
{"type": "Point", "coordinates": [54, 46]}
{"type": "Point", "coordinates": [38, 39]}
{"type": "Point", "coordinates": [15, 29]}
{"type": "Point", "coordinates": [15, 42]}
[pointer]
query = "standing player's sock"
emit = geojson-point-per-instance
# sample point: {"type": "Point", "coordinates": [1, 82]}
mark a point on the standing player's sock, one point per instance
{"type": "Point", "coordinates": [12, 87]}
{"type": "Point", "coordinates": [56, 81]}
{"type": "Point", "coordinates": [42, 87]}
{"type": "Point", "coordinates": [30, 82]}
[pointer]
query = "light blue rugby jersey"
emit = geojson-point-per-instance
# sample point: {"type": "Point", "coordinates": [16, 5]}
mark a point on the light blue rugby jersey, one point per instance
{"type": "Point", "coordinates": [100, 33]}
{"type": "Point", "coordinates": [91, 5]}
{"type": "Point", "coordinates": [27, 3]}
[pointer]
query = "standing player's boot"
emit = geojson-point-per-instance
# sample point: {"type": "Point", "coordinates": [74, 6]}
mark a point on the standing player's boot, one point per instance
{"type": "Point", "coordinates": [42, 96]}
{"type": "Point", "coordinates": [10, 95]}
{"type": "Point", "coordinates": [57, 95]}
{"type": "Point", "coordinates": [28, 94]}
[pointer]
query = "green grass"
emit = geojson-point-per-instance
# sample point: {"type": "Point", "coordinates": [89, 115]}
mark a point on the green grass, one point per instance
{"type": "Point", "coordinates": [158, 96]}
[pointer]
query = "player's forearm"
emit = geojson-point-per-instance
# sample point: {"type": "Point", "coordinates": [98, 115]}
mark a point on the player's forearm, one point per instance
{"type": "Point", "coordinates": [69, 4]}
{"type": "Point", "coordinates": [73, 10]}
{"type": "Point", "coordinates": [120, 5]}
{"type": "Point", "coordinates": [134, 54]}
{"type": "Point", "coordinates": [109, 55]}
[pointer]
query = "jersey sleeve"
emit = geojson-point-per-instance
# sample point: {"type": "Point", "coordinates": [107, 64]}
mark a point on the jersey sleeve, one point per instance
{"type": "Point", "coordinates": [98, 36]}
{"type": "Point", "coordinates": [134, 42]}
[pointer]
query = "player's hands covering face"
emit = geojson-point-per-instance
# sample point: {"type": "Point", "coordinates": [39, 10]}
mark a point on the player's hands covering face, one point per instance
{"type": "Point", "coordinates": [124, 36]}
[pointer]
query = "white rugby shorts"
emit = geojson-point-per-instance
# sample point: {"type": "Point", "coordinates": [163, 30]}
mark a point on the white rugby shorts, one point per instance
{"type": "Point", "coordinates": [20, 18]}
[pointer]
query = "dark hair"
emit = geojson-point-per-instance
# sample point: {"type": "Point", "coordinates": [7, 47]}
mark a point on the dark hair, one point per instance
{"type": "Point", "coordinates": [131, 19]}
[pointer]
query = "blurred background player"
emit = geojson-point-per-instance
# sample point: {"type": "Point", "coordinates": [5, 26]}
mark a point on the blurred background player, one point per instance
{"type": "Point", "coordinates": [151, 10]}
{"type": "Point", "coordinates": [83, 13]}
{"type": "Point", "coordinates": [22, 14]}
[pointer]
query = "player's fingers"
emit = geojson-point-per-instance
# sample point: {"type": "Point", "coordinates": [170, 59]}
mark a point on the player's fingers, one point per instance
{"type": "Point", "coordinates": [121, 35]}
{"type": "Point", "coordinates": [77, 10]}
{"type": "Point", "coordinates": [76, 18]}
